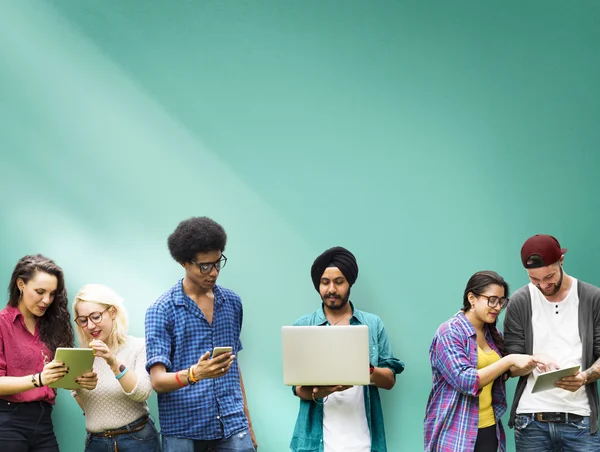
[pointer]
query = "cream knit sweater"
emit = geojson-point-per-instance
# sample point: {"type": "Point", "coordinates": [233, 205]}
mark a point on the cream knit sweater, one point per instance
{"type": "Point", "coordinates": [108, 406]}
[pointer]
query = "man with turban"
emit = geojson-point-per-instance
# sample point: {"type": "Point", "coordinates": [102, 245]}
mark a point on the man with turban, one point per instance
{"type": "Point", "coordinates": [344, 418]}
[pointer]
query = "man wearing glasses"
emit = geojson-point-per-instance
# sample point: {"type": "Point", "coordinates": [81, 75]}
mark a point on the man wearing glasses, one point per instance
{"type": "Point", "coordinates": [558, 317]}
{"type": "Point", "coordinates": [201, 399]}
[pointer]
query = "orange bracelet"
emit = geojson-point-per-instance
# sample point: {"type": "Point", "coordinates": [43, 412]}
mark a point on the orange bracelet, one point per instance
{"type": "Point", "coordinates": [191, 375]}
{"type": "Point", "coordinates": [178, 380]}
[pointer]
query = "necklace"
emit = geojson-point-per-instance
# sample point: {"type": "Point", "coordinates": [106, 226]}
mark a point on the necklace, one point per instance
{"type": "Point", "coordinates": [335, 323]}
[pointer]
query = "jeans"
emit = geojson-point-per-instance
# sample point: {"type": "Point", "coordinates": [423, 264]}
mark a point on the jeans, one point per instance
{"type": "Point", "coordinates": [534, 436]}
{"type": "Point", "coordinates": [146, 440]}
{"type": "Point", "coordinates": [239, 442]}
{"type": "Point", "coordinates": [26, 427]}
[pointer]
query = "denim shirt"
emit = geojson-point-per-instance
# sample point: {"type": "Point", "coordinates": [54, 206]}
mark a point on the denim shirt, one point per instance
{"type": "Point", "coordinates": [308, 432]}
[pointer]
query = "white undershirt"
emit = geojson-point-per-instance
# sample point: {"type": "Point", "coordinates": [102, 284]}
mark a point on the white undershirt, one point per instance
{"type": "Point", "coordinates": [345, 427]}
{"type": "Point", "coordinates": [555, 334]}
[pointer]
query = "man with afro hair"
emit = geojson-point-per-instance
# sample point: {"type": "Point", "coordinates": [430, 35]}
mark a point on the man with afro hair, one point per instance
{"type": "Point", "coordinates": [201, 398]}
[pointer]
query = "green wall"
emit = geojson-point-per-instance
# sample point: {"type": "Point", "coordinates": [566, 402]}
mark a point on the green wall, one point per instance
{"type": "Point", "coordinates": [430, 138]}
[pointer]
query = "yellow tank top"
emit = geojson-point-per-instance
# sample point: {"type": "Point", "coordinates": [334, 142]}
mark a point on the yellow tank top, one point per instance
{"type": "Point", "coordinates": [486, 411]}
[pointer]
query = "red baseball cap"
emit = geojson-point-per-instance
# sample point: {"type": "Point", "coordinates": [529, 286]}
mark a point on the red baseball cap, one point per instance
{"type": "Point", "coordinates": [545, 246]}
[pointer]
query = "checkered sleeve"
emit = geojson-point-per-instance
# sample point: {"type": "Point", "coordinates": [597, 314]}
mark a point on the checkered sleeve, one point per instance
{"type": "Point", "coordinates": [451, 357]}
{"type": "Point", "coordinates": [240, 346]}
{"type": "Point", "coordinates": [158, 343]}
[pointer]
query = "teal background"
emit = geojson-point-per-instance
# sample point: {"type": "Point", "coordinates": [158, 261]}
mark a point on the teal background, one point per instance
{"type": "Point", "coordinates": [430, 138]}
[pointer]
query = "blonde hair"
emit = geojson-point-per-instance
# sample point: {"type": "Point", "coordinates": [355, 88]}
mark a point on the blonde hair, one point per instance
{"type": "Point", "coordinates": [105, 296]}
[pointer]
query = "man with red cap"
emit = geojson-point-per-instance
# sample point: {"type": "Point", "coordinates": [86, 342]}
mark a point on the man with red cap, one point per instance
{"type": "Point", "coordinates": [342, 418]}
{"type": "Point", "coordinates": [556, 318]}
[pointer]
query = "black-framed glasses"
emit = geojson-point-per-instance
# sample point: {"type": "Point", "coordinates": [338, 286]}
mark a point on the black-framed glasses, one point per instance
{"type": "Point", "coordinates": [94, 317]}
{"type": "Point", "coordinates": [206, 267]}
{"type": "Point", "coordinates": [494, 301]}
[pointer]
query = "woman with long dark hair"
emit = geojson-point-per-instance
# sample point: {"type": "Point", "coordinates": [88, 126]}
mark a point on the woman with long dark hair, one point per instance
{"type": "Point", "coordinates": [468, 362]}
{"type": "Point", "coordinates": [33, 325]}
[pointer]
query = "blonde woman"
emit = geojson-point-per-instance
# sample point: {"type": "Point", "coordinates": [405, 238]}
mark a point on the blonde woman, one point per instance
{"type": "Point", "coordinates": [116, 412]}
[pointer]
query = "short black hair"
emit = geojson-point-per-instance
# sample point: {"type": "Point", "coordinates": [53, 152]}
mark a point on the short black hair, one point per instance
{"type": "Point", "coordinates": [535, 261]}
{"type": "Point", "coordinates": [196, 235]}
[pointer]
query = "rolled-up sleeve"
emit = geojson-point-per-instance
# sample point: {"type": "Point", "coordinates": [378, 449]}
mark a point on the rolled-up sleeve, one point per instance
{"type": "Point", "coordinates": [143, 388]}
{"type": "Point", "coordinates": [158, 342]}
{"type": "Point", "coordinates": [450, 356]}
{"type": "Point", "coordinates": [386, 358]}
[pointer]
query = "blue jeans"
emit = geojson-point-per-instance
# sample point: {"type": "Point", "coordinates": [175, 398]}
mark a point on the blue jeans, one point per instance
{"type": "Point", "coordinates": [146, 440]}
{"type": "Point", "coordinates": [239, 442]}
{"type": "Point", "coordinates": [534, 436]}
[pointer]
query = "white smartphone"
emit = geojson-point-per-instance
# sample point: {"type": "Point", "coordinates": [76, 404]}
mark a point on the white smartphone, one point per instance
{"type": "Point", "coordinates": [220, 350]}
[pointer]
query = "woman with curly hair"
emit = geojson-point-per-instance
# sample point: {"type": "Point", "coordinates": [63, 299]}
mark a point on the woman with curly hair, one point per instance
{"type": "Point", "coordinates": [33, 325]}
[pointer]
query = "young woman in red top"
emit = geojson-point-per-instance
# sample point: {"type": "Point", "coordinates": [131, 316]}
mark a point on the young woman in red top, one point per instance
{"type": "Point", "coordinates": [33, 324]}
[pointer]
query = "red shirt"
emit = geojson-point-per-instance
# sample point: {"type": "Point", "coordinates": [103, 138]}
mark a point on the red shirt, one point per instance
{"type": "Point", "coordinates": [22, 353]}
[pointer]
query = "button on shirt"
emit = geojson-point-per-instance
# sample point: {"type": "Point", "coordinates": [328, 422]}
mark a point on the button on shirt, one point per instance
{"type": "Point", "coordinates": [177, 335]}
{"type": "Point", "coordinates": [308, 432]}
{"type": "Point", "coordinates": [22, 353]}
{"type": "Point", "coordinates": [452, 412]}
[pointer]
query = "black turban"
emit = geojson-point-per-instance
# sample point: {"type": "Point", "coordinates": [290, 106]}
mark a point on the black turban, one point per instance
{"type": "Point", "coordinates": [335, 257]}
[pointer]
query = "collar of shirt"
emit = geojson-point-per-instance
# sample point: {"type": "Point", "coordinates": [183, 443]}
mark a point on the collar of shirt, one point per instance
{"type": "Point", "coordinates": [321, 319]}
{"type": "Point", "coordinates": [15, 313]}
{"type": "Point", "coordinates": [181, 298]}
{"type": "Point", "coordinates": [469, 330]}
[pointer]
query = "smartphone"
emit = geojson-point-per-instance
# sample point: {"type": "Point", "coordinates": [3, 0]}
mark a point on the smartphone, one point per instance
{"type": "Point", "coordinates": [220, 350]}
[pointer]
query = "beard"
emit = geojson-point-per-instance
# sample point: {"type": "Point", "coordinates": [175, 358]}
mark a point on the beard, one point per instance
{"type": "Point", "coordinates": [556, 287]}
{"type": "Point", "coordinates": [336, 305]}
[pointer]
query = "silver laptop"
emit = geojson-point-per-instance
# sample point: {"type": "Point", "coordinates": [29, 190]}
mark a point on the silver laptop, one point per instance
{"type": "Point", "coordinates": [325, 355]}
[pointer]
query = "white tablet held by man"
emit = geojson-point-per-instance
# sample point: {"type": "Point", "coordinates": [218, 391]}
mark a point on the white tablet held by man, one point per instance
{"type": "Point", "coordinates": [546, 381]}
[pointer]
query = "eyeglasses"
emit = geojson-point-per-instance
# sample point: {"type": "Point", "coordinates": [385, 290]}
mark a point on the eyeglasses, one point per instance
{"type": "Point", "coordinates": [95, 317]}
{"type": "Point", "coordinates": [493, 300]}
{"type": "Point", "coordinates": [206, 267]}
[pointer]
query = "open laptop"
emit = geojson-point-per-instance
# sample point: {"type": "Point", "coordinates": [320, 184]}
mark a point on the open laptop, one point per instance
{"type": "Point", "coordinates": [325, 355]}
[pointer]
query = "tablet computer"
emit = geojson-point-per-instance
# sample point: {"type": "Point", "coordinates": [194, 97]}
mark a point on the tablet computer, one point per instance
{"type": "Point", "coordinates": [78, 360]}
{"type": "Point", "coordinates": [546, 381]}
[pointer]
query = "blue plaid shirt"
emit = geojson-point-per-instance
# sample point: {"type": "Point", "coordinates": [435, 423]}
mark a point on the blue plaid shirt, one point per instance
{"type": "Point", "coordinates": [177, 334]}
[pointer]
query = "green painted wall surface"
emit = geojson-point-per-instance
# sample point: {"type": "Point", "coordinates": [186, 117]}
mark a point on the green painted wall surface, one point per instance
{"type": "Point", "coordinates": [430, 138]}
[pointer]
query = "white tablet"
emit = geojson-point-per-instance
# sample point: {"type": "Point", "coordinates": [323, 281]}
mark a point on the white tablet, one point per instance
{"type": "Point", "coordinates": [546, 381]}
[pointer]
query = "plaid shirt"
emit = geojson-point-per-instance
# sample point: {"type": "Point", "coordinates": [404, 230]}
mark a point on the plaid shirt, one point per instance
{"type": "Point", "coordinates": [177, 334]}
{"type": "Point", "coordinates": [452, 413]}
